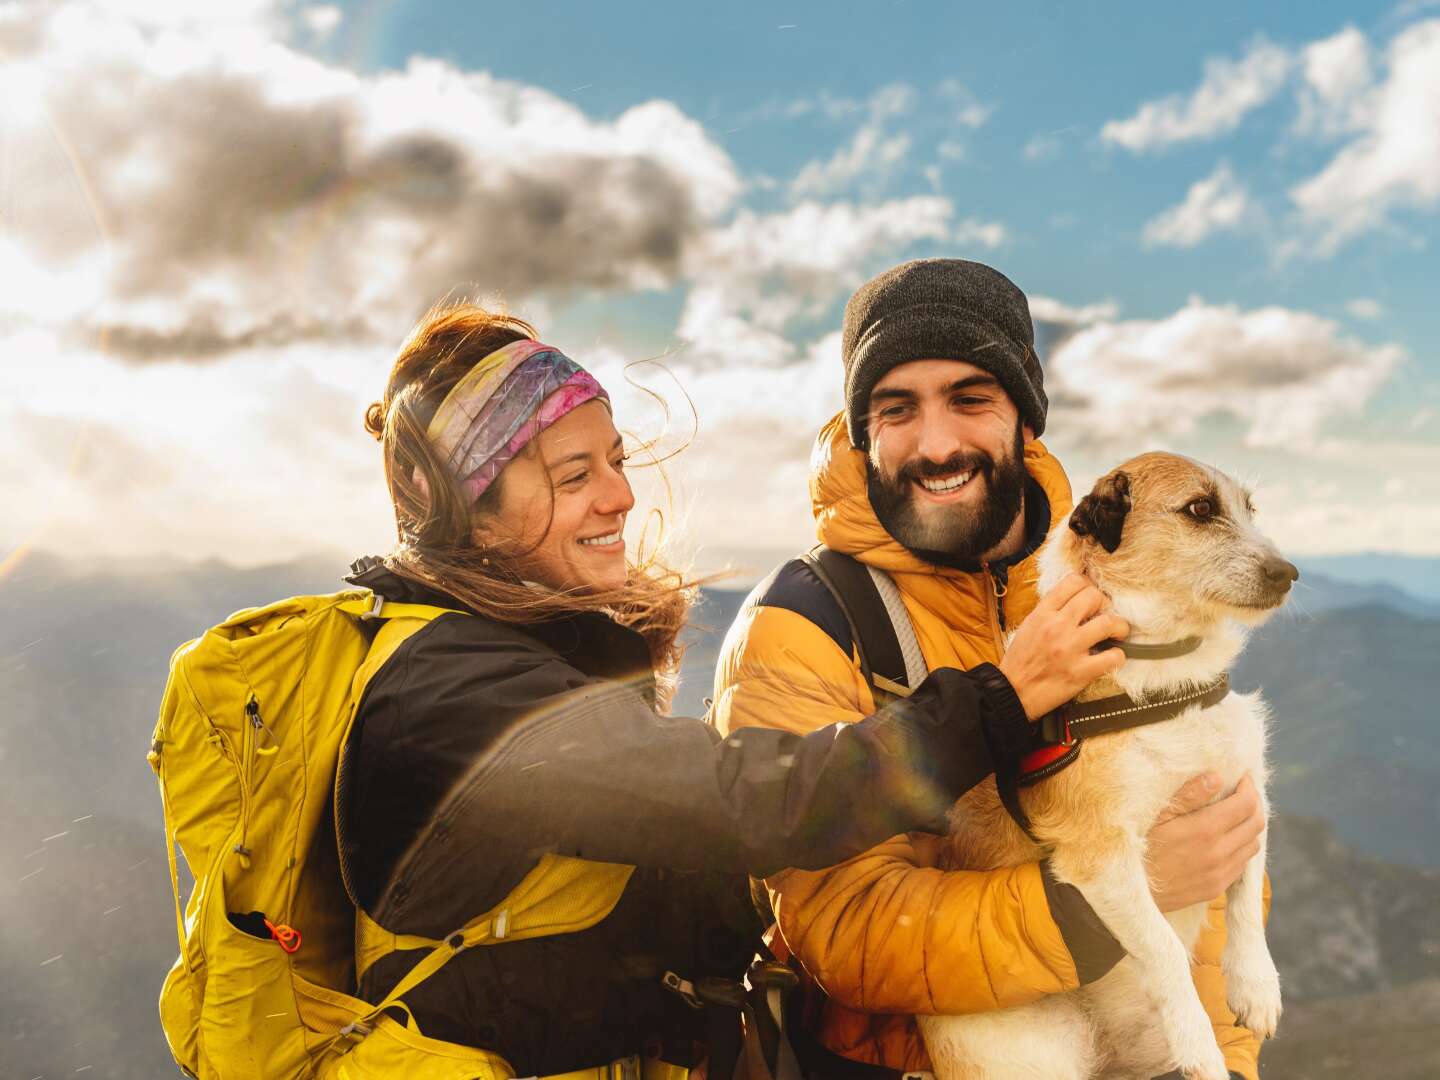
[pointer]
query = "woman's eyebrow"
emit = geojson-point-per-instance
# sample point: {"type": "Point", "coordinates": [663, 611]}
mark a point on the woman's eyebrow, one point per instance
{"type": "Point", "coordinates": [581, 455]}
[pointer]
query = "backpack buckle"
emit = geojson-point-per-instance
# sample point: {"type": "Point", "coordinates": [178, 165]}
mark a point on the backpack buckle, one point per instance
{"type": "Point", "coordinates": [377, 602]}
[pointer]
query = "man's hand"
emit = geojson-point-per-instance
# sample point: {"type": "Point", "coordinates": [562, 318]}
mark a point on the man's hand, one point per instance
{"type": "Point", "coordinates": [1049, 659]}
{"type": "Point", "coordinates": [1195, 851]}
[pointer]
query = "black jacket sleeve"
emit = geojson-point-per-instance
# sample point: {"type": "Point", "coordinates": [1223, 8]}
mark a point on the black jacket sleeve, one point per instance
{"type": "Point", "coordinates": [536, 757]}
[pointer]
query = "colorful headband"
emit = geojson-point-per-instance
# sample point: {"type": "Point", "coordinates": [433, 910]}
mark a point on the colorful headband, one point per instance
{"type": "Point", "coordinates": [502, 403]}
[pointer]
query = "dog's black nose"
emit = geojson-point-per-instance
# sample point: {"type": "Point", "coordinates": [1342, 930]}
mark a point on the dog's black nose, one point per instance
{"type": "Point", "coordinates": [1280, 573]}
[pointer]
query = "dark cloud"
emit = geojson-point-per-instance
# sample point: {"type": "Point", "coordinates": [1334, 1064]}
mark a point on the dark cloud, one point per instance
{"type": "Point", "coordinates": [261, 198]}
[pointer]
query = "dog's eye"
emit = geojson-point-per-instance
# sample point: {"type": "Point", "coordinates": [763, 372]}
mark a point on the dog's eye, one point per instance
{"type": "Point", "coordinates": [1201, 509]}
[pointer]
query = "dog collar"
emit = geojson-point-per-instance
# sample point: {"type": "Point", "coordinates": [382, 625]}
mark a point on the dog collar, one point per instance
{"type": "Point", "coordinates": [1164, 650]}
{"type": "Point", "coordinates": [1064, 729]}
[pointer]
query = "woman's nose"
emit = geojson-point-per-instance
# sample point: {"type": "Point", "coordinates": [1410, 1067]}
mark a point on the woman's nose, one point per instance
{"type": "Point", "coordinates": [617, 496]}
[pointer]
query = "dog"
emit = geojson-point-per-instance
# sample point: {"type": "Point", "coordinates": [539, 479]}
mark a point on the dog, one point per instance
{"type": "Point", "coordinates": [1172, 543]}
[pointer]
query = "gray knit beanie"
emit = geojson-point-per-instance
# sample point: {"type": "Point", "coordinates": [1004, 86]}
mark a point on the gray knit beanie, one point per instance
{"type": "Point", "coordinates": [940, 309]}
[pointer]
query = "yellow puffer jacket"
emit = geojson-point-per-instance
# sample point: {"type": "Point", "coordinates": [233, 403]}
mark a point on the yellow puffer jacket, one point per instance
{"type": "Point", "coordinates": [887, 935]}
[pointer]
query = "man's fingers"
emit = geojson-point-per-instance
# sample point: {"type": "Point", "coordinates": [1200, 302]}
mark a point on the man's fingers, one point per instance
{"type": "Point", "coordinates": [1064, 589]}
{"type": "Point", "coordinates": [1101, 663]}
{"type": "Point", "coordinates": [1104, 627]}
{"type": "Point", "coordinates": [1239, 808]}
{"type": "Point", "coordinates": [1083, 604]}
{"type": "Point", "coordinates": [1193, 795]}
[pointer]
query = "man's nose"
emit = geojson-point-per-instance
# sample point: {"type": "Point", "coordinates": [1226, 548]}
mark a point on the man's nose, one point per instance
{"type": "Point", "coordinates": [938, 441]}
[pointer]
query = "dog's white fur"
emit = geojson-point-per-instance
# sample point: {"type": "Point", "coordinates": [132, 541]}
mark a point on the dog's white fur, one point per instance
{"type": "Point", "coordinates": [1171, 577]}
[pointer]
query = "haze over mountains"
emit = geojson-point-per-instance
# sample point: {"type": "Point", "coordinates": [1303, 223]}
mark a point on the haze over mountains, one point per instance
{"type": "Point", "coordinates": [88, 929]}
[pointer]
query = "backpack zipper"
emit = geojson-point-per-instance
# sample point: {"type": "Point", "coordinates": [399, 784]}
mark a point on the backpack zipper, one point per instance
{"type": "Point", "coordinates": [250, 748]}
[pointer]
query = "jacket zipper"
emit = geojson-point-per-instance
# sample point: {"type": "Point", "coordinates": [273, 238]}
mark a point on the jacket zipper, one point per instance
{"type": "Point", "coordinates": [999, 586]}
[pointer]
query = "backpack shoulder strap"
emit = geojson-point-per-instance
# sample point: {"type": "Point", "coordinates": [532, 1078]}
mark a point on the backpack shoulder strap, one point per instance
{"type": "Point", "coordinates": [879, 624]}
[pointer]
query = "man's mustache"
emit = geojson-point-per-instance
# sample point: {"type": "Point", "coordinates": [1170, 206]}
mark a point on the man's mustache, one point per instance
{"type": "Point", "coordinates": [955, 463]}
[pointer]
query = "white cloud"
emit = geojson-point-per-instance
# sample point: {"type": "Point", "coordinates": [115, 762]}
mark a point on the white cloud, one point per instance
{"type": "Point", "coordinates": [322, 19]}
{"type": "Point", "coordinates": [1048, 309]}
{"type": "Point", "coordinates": [769, 269]}
{"type": "Point", "coordinates": [256, 457]}
{"type": "Point", "coordinates": [870, 154]}
{"type": "Point", "coordinates": [1041, 148]}
{"type": "Point", "coordinates": [1336, 77]}
{"type": "Point", "coordinates": [1215, 203]}
{"type": "Point", "coordinates": [1281, 373]}
{"type": "Point", "coordinates": [986, 234]}
{"type": "Point", "coordinates": [1229, 90]}
{"type": "Point", "coordinates": [1363, 307]}
{"type": "Point", "coordinates": [969, 110]}
{"type": "Point", "coordinates": [270, 197]}
{"type": "Point", "coordinates": [1394, 161]}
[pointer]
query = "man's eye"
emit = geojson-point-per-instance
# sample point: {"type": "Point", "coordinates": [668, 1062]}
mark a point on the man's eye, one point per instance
{"type": "Point", "coordinates": [892, 412]}
{"type": "Point", "coordinates": [970, 400]}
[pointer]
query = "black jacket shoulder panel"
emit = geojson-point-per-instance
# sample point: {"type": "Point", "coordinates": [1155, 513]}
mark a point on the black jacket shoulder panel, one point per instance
{"type": "Point", "coordinates": [794, 587]}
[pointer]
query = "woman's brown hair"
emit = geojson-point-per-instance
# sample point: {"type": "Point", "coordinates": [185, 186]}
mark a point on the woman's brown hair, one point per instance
{"type": "Point", "coordinates": [435, 522]}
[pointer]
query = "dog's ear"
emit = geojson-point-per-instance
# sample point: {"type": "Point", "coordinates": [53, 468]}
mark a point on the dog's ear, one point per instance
{"type": "Point", "coordinates": [1101, 514]}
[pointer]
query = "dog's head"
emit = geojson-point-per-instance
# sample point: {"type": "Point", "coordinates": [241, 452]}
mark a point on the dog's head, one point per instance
{"type": "Point", "coordinates": [1177, 535]}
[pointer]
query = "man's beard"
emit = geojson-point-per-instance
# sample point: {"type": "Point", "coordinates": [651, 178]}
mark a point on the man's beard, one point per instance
{"type": "Point", "coordinates": [952, 534]}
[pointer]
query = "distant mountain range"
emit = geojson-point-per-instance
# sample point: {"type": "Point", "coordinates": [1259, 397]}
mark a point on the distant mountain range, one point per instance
{"type": "Point", "coordinates": [1418, 575]}
{"type": "Point", "coordinates": [87, 931]}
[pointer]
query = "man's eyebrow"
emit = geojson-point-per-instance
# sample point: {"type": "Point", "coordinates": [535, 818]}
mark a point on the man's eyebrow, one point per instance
{"type": "Point", "coordinates": [895, 393]}
{"type": "Point", "coordinates": [972, 381]}
{"type": "Point", "coordinates": [891, 393]}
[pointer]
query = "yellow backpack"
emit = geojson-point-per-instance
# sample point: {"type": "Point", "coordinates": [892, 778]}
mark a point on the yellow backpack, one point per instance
{"type": "Point", "coordinates": [254, 717]}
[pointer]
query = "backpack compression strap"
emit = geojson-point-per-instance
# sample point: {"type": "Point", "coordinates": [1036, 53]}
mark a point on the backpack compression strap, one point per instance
{"type": "Point", "coordinates": [885, 642]}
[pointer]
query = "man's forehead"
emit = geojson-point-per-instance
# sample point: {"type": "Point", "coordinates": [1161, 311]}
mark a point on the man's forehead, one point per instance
{"type": "Point", "coordinates": [918, 376]}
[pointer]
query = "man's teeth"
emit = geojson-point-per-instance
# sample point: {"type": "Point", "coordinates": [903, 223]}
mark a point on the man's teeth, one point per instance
{"type": "Point", "coordinates": [949, 483]}
{"type": "Point", "coordinates": [600, 540]}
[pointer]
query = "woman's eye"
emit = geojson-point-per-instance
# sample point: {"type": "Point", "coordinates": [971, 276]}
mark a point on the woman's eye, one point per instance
{"type": "Point", "coordinates": [576, 480]}
{"type": "Point", "coordinates": [1200, 509]}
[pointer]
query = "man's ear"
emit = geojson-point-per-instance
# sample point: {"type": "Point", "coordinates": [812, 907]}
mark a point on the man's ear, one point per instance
{"type": "Point", "coordinates": [1101, 514]}
{"type": "Point", "coordinates": [1029, 432]}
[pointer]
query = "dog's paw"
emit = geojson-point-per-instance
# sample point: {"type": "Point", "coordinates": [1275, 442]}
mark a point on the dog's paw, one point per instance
{"type": "Point", "coordinates": [1196, 1054]}
{"type": "Point", "coordinates": [1210, 1067]}
{"type": "Point", "coordinates": [1253, 993]}
{"type": "Point", "coordinates": [1256, 1004]}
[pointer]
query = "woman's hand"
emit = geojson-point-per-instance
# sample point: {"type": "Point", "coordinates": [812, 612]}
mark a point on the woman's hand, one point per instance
{"type": "Point", "coordinates": [1195, 851]}
{"type": "Point", "coordinates": [1049, 661]}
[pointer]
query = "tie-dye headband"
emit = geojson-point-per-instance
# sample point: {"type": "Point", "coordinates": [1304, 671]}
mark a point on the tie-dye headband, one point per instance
{"type": "Point", "coordinates": [502, 403]}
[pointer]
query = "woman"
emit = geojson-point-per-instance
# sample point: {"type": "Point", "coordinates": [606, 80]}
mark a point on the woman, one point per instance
{"type": "Point", "coordinates": [525, 728]}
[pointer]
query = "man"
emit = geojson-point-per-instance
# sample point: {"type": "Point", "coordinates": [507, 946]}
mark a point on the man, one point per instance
{"type": "Point", "coordinates": [935, 475]}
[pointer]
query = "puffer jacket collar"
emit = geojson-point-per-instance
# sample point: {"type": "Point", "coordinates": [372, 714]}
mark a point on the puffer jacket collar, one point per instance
{"type": "Point", "coordinates": [589, 641]}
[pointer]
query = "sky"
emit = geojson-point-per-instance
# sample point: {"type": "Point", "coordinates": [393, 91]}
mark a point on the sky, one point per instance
{"type": "Point", "coordinates": [216, 228]}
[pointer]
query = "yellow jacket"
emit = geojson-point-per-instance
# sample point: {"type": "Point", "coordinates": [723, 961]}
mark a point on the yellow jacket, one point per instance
{"type": "Point", "coordinates": [887, 935]}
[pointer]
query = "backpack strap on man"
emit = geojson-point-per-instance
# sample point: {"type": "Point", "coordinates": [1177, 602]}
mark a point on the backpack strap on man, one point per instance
{"type": "Point", "coordinates": [885, 642]}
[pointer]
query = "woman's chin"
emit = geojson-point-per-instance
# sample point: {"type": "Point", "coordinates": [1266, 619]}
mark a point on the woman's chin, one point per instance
{"type": "Point", "coordinates": [603, 575]}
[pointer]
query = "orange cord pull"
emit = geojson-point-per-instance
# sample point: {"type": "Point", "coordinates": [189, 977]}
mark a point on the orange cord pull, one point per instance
{"type": "Point", "coordinates": [287, 936]}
